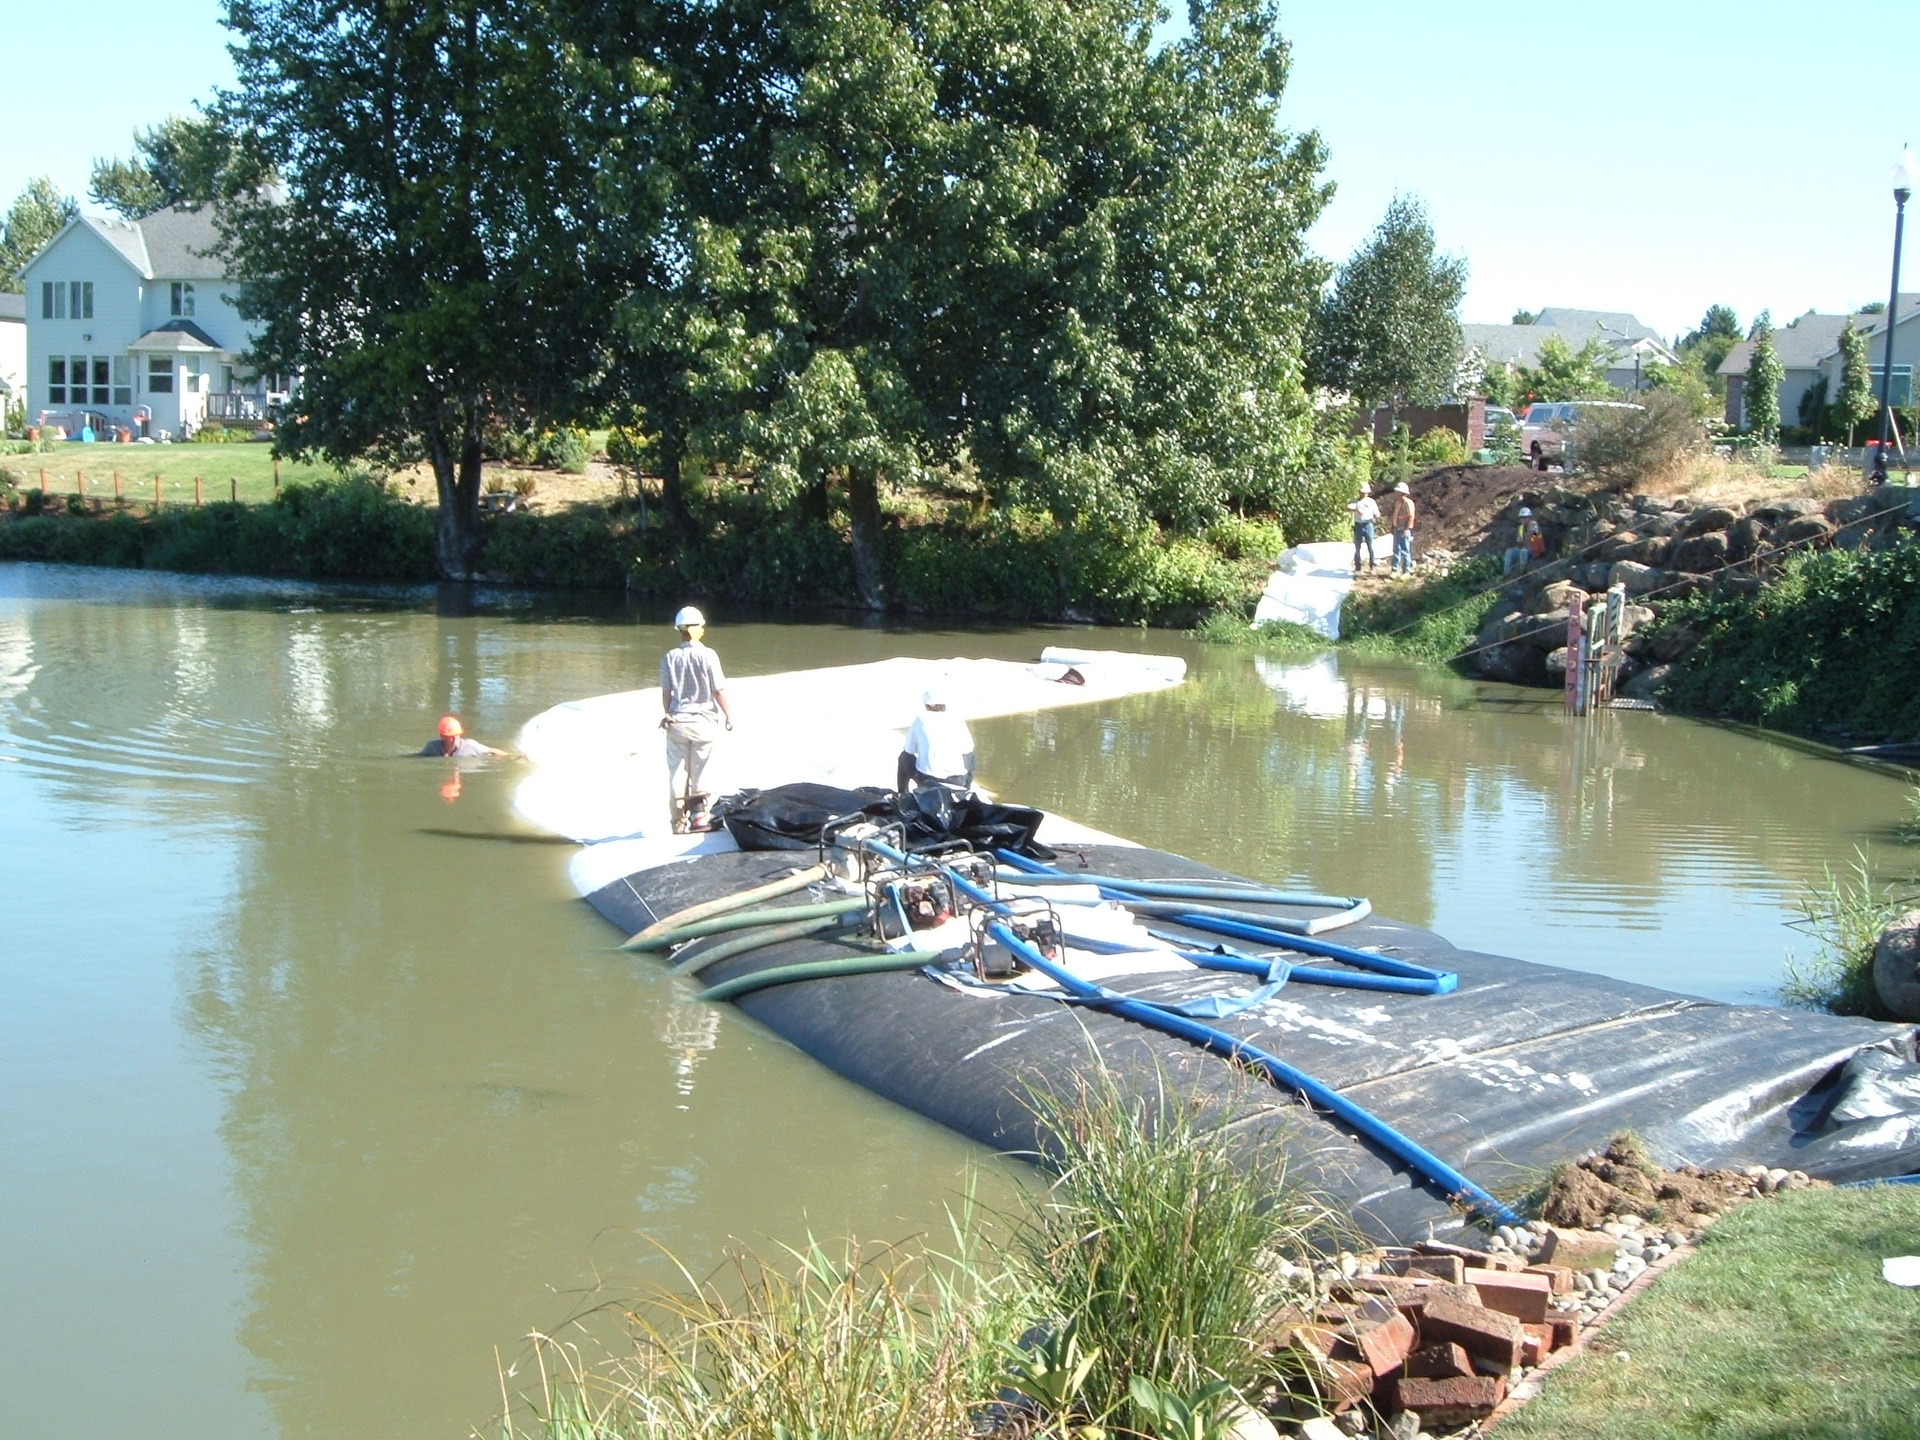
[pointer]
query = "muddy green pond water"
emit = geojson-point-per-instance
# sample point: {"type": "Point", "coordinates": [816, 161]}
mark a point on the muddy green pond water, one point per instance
{"type": "Point", "coordinates": [309, 1107]}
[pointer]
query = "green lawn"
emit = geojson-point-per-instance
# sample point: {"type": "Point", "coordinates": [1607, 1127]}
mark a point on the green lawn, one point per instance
{"type": "Point", "coordinates": [223, 469]}
{"type": "Point", "coordinates": [1780, 1326]}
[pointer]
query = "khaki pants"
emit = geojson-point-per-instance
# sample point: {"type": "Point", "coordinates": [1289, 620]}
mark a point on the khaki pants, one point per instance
{"type": "Point", "coordinates": [689, 747]}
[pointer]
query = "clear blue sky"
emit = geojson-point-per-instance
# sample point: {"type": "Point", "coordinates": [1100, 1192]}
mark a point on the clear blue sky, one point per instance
{"type": "Point", "coordinates": [1654, 158]}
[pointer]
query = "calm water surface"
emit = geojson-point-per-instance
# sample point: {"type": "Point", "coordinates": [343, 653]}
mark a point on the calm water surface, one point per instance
{"type": "Point", "coordinates": [306, 1110]}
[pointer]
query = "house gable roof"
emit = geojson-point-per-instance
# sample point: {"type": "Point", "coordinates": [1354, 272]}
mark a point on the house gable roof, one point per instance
{"type": "Point", "coordinates": [1799, 345]}
{"type": "Point", "coordinates": [1589, 322]}
{"type": "Point", "coordinates": [117, 235]}
{"type": "Point", "coordinates": [1520, 344]}
{"type": "Point", "coordinates": [177, 335]}
{"type": "Point", "coordinates": [172, 244]}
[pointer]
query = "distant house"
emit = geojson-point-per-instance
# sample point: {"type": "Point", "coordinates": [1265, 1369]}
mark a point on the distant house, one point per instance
{"type": "Point", "coordinates": [129, 326]}
{"type": "Point", "coordinates": [13, 348]}
{"type": "Point", "coordinates": [1631, 347]}
{"type": "Point", "coordinates": [1906, 353]}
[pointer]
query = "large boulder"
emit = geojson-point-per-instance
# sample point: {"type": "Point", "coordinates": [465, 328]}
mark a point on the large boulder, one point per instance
{"type": "Point", "coordinates": [1713, 517]}
{"type": "Point", "coordinates": [1553, 599]}
{"type": "Point", "coordinates": [1855, 536]}
{"type": "Point", "coordinates": [1633, 576]}
{"type": "Point", "coordinates": [1896, 967]}
{"type": "Point", "coordinates": [1807, 532]}
{"type": "Point", "coordinates": [1745, 539]}
{"type": "Point", "coordinates": [1654, 550]}
{"type": "Point", "coordinates": [1516, 664]}
{"type": "Point", "coordinates": [1594, 575]}
{"type": "Point", "coordinates": [1849, 508]}
{"type": "Point", "coordinates": [1701, 554]}
{"type": "Point", "coordinates": [1646, 684]}
{"type": "Point", "coordinates": [1774, 511]}
{"type": "Point", "coordinates": [1617, 545]}
{"type": "Point", "coordinates": [1673, 642]}
{"type": "Point", "coordinates": [1636, 617]}
{"type": "Point", "coordinates": [1657, 524]}
{"type": "Point", "coordinates": [1737, 582]}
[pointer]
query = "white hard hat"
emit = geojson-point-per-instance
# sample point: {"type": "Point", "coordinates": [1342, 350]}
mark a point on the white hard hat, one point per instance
{"type": "Point", "coordinates": [1524, 512]}
{"type": "Point", "coordinates": [688, 617]}
{"type": "Point", "coordinates": [1403, 488]}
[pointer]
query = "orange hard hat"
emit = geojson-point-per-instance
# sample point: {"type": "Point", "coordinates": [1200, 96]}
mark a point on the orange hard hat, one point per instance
{"type": "Point", "coordinates": [450, 727]}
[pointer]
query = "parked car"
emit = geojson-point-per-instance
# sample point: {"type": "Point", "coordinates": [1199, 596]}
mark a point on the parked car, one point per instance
{"type": "Point", "coordinates": [1549, 429]}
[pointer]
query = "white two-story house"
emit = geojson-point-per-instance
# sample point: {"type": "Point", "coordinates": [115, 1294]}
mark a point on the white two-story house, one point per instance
{"type": "Point", "coordinates": [131, 327]}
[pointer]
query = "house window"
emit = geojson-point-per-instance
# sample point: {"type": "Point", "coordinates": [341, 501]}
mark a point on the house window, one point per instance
{"type": "Point", "coordinates": [56, 380]}
{"type": "Point", "coordinates": [80, 303]}
{"type": "Point", "coordinates": [1902, 393]}
{"type": "Point", "coordinates": [159, 375]}
{"type": "Point", "coordinates": [53, 300]}
{"type": "Point", "coordinates": [183, 297]}
{"type": "Point", "coordinates": [102, 382]}
{"type": "Point", "coordinates": [122, 381]}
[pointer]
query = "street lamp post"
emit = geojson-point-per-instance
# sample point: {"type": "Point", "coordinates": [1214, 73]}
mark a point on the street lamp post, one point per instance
{"type": "Point", "coordinates": [1904, 173]}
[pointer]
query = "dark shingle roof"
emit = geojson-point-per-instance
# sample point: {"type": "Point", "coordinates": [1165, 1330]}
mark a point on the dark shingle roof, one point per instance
{"type": "Point", "coordinates": [1590, 322]}
{"type": "Point", "coordinates": [177, 335]}
{"type": "Point", "coordinates": [180, 244]}
{"type": "Point", "coordinates": [13, 307]}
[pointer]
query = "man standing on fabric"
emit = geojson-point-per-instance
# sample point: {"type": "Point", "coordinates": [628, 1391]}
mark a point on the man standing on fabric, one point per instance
{"type": "Point", "coordinates": [939, 747]}
{"type": "Point", "coordinates": [1365, 513]}
{"type": "Point", "coordinates": [693, 694]}
{"type": "Point", "coordinates": [1400, 517]}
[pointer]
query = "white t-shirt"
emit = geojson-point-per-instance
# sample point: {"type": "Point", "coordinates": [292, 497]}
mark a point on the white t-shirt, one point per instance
{"type": "Point", "coordinates": [1365, 508]}
{"type": "Point", "coordinates": [940, 743]}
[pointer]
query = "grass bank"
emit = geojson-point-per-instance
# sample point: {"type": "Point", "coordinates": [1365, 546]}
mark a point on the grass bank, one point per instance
{"type": "Point", "coordinates": [1829, 649]}
{"type": "Point", "coordinates": [1780, 1325]}
{"type": "Point", "coordinates": [1006, 564]}
{"type": "Point", "coordinates": [240, 470]}
{"type": "Point", "coordinates": [1432, 618]}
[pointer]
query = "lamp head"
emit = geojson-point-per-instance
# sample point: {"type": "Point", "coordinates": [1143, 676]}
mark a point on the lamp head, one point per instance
{"type": "Point", "coordinates": [1905, 171]}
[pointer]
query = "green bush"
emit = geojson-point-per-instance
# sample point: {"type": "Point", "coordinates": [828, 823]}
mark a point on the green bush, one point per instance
{"type": "Point", "coordinates": [216, 434]}
{"type": "Point", "coordinates": [1829, 648]}
{"type": "Point", "coordinates": [1439, 446]}
{"type": "Point", "coordinates": [1432, 619]}
{"type": "Point", "coordinates": [564, 449]}
{"type": "Point", "coordinates": [630, 447]}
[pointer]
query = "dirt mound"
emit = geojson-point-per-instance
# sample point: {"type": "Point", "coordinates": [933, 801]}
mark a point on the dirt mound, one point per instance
{"type": "Point", "coordinates": [1457, 503]}
{"type": "Point", "coordinates": [1621, 1180]}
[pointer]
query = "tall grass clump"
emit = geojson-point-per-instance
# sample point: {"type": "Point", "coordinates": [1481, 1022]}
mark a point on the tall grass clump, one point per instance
{"type": "Point", "coordinates": [1430, 619]}
{"type": "Point", "coordinates": [1160, 1240]}
{"type": "Point", "coordinates": [1844, 914]}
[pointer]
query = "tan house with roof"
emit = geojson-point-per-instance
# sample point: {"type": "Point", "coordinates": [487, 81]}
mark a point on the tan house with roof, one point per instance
{"type": "Point", "coordinates": [131, 326]}
{"type": "Point", "coordinates": [1809, 351]}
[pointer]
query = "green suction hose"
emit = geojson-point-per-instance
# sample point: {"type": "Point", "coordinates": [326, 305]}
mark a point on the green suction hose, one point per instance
{"type": "Point", "coordinates": [753, 940]}
{"type": "Point", "coordinates": [746, 920]}
{"type": "Point", "coordinates": [874, 964]}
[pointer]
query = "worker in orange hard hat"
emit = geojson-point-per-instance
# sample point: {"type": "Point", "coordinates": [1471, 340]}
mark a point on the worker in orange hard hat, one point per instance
{"type": "Point", "coordinates": [452, 741]}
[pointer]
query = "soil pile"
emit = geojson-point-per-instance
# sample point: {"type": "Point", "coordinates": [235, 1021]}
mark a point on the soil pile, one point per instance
{"type": "Point", "coordinates": [1622, 1180]}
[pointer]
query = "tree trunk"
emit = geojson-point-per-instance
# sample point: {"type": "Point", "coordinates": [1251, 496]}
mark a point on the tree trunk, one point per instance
{"type": "Point", "coordinates": [863, 501]}
{"type": "Point", "coordinates": [456, 477]}
{"type": "Point", "coordinates": [673, 494]}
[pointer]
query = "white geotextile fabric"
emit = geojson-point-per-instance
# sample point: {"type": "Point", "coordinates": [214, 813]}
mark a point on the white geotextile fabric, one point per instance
{"type": "Point", "coordinates": [599, 766]}
{"type": "Point", "coordinates": [1309, 584]}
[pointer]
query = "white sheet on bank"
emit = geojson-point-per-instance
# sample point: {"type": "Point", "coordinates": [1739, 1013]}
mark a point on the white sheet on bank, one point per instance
{"type": "Point", "coordinates": [599, 768]}
{"type": "Point", "coordinates": [1309, 584]}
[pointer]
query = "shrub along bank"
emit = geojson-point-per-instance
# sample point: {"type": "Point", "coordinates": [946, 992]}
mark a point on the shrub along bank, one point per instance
{"type": "Point", "coordinates": [1014, 564]}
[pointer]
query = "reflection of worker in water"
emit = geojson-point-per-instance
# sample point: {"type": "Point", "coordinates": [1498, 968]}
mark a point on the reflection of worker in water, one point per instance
{"type": "Point", "coordinates": [453, 743]}
{"type": "Point", "coordinates": [939, 747]}
{"type": "Point", "coordinates": [693, 694]}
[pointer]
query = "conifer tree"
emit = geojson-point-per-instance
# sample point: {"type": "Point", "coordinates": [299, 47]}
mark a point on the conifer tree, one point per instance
{"type": "Point", "coordinates": [1761, 393]}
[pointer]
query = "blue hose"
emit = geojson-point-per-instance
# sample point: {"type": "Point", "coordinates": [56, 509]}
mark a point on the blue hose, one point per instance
{"type": "Point", "coordinates": [1350, 909]}
{"type": "Point", "coordinates": [1428, 1167]}
{"type": "Point", "coordinates": [1428, 981]}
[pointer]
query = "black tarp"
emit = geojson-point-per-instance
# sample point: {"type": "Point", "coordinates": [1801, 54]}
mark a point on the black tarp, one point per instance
{"type": "Point", "coordinates": [932, 817]}
{"type": "Point", "coordinates": [1525, 1065]}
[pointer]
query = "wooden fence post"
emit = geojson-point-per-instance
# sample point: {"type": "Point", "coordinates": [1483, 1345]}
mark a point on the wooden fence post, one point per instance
{"type": "Point", "coordinates": [43, 482]}
{"type": "Point", "coordinates": [276, 477]}
{"type": "Point", "coordinates": [80, 483]}
{"type": "Point", "coordinates": [117, 494]}
{"type": "Point", "coordinates": [196, 489]}
{"type": "Point", "coordinates": [233, 489]}
{"type": "Point", "coordinates": [156, 491]}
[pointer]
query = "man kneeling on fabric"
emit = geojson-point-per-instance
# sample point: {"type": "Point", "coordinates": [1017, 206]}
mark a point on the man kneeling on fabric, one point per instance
{"type": "Point", "coordinates": [939, 748]}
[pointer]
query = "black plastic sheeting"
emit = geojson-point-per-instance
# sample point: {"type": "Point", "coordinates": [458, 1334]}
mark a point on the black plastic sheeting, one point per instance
{"type": "Point", "coordinates": [1523, 1066]}
{"type": "Point", "coordinates": [793, 817]}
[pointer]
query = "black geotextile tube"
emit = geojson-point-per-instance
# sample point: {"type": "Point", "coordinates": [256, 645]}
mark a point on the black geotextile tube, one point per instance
{"type": "Point", "coordinates": [875, 964]}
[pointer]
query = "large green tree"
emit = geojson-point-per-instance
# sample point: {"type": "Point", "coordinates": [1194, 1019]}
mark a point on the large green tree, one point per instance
{"type": "Point", "coordinates": [184, 160]}
{"type": "Point", "coordinates": [1718, 332]}
{"type": "Point", "coordinates": [1760, 392]}
{"type": "Point", "coordinates": [425, 264]}
{"type": "Point", "coordinates": [1560, 372]}
{"type": "Point", "coordinates": [1854, 403]}
{"type": "Point", "coordinates": [35, 217]}
{"type": "Point", "coordinates": [1389, 329]}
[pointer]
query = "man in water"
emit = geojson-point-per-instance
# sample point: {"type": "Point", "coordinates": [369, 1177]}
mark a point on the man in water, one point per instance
{"type": "Point", "coordinates": [939, 747]}
{"type": "Point", "coordinates": [454, 744]}
{"type": "Point", "coordinates": [693, 693]}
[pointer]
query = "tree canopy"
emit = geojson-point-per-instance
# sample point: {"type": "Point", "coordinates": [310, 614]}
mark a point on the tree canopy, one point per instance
{"type": "Point", "coordinates": [1388, 331]}
{"type": "Point", "coordinates": [1563, 373]}
{"type": "Point", "coordinates": [1761, 390]}
{"type": "Point", "coordinates": [184, 160]}
{"type": "Point", "coordinates": [1718, 332]}
{"type": "Point", "coordinates": [35, 217]}
{"type": "Point", "coordinates": [1854, 404]}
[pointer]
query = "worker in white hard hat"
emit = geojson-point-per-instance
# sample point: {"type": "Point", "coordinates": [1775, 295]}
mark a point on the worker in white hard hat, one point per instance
{"type": "Point", "coordinates": [693, 693]}
{"type": "Point", "coordinates": [939, 747]}
{"type": "Point", "coordinates": [1525, 543]}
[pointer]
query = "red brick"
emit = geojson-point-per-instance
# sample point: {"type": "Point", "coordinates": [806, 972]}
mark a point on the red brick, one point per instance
{"type": "Point", "coordinates": [1441, 1267]}
{"type": "Point", "coordinates": [1473, 1259]}
{"type": "Point", "coordinates": [1345, 1384]}
{"type": "Point", "coordinates": [1400, 1290]}
{"type": "Point", "coordinates": [1522, 1296]}
{"type": "Point", "coordinates": [1318, 1339]}
{"type": "Point", "coordinates": [1538, 1342]}
{"type": "Point", "coordinates": [1560, 1277]}
{"type": "Point", "coordinates": [1452, 1401]}
{"type": "Point", "coordinates": [1579, 1249]}
{"type": "Point", "coordinates": [1439, 1362]}
{"type": "Point", "coordinates": [1385, 1346]}
{"type": "Point", "coordinates": [1476, 1329]}
{"type": "Point", "coordinates": [1566, 1330]}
